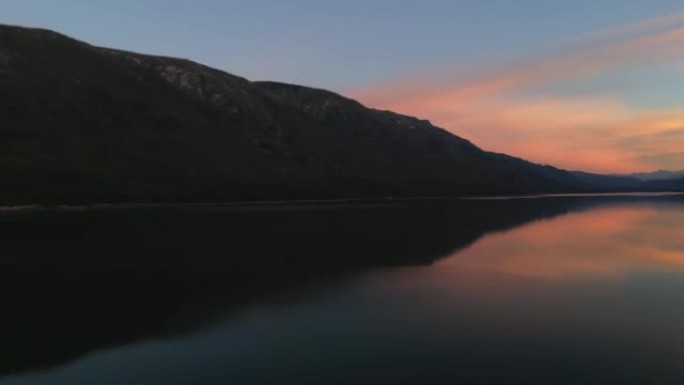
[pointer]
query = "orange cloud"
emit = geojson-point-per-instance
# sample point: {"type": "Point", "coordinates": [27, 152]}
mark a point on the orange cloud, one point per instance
{"type": "Point", "coordinates": [504, 109]}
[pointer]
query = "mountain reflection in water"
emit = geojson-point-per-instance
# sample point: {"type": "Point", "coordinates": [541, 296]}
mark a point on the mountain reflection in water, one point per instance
{"type": "Point", "coordinates": [607, 242]}
{"type": "Point", "coordinates": [550, 290]}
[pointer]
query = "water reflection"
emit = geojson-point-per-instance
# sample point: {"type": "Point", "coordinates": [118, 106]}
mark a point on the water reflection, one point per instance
{"type": "Point", "coordinates": [564, 290]}
{"type": "Point", "coordinates": [607, 242]}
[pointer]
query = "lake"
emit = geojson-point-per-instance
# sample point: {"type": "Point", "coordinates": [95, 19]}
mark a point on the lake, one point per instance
{"type": "Point", "coordinates": [544, 290]}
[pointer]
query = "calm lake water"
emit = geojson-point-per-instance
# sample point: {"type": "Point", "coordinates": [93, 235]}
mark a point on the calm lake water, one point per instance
{"type": "Point", "coordinates": [556, 290]}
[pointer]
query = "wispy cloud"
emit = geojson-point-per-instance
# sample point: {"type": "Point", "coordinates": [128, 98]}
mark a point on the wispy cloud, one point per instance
{"type": "Point", "coordinates": [646, 26]}
{"type": "Point", "coordinates": [508, 107]}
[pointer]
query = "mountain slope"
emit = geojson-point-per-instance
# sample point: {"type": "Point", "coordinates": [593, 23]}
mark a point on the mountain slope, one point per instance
{"type": "Point", "coordinates": [344, 114]}
{"type": "Point", "coordinates": [658, 175]}
{"type": "Point", "coordinates": [87, 124]}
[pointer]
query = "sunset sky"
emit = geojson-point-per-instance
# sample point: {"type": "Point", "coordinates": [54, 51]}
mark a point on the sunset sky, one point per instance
{"type": "Point", "coordinates": [596, 85]}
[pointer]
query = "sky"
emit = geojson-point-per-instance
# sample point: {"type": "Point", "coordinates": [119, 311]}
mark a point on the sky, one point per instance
{"type": "Point", "coordinates": [596, 85]}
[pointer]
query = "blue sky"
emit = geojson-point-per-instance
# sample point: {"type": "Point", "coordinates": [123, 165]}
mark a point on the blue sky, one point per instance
{"type": "Point", "coordinates": [581, 84]}
{"type": "Point", "coordinates": [332, 44]}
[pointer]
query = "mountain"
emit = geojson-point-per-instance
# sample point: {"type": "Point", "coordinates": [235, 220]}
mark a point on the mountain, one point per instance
{"type": "Point", "coordinates": [613, 182]}
{"type": "Point", "coordinates": [83, 124]}
{"type": "Point", "coordinates": [657, 175]}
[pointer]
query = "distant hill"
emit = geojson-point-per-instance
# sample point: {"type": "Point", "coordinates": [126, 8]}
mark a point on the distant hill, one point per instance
{"type": "Point", "coordinates": [84, 124]}
{"type": "Point", "coordinates": [657, 175]}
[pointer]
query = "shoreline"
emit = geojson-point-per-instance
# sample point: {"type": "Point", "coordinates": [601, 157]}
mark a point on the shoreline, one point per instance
{"type": "Point", "coordinates": [277, 203]}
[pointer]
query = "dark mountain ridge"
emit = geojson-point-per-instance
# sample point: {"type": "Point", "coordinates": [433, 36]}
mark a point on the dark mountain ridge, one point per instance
{"type": "Point", "coordinates": [83, 124]}
{"type": "Point", "coordinates": [657, 175]}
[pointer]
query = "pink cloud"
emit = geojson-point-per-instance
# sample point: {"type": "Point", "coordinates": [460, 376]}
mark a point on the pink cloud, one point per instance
{"type": "Point", "coordinates": [501, 110]}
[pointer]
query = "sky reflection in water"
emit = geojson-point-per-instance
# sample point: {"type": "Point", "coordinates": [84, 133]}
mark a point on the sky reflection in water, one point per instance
{"type": "Point", "coordinates": [608, 242]}
{"type": "Point", "coordinates": [592, 297]}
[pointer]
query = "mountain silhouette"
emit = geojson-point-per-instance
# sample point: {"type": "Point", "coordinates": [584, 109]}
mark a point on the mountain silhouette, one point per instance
{"type": "Point", "coordinates": [83, 124]}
